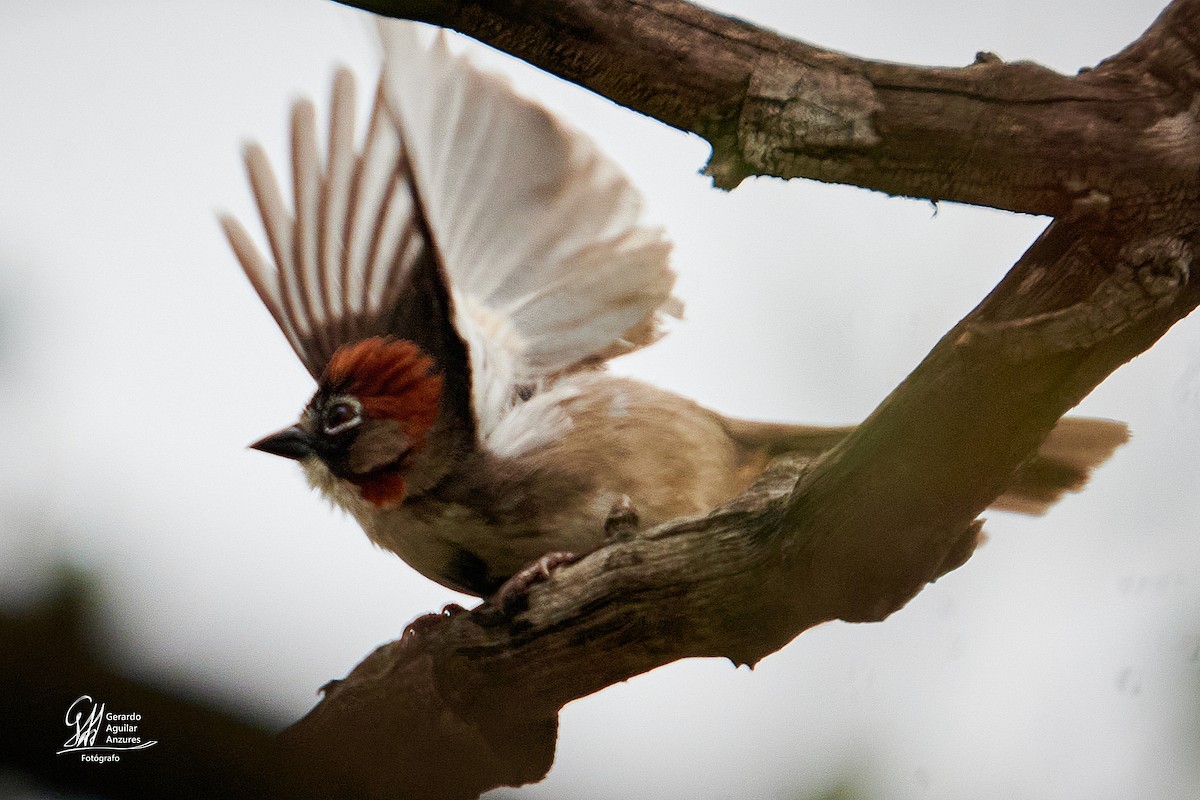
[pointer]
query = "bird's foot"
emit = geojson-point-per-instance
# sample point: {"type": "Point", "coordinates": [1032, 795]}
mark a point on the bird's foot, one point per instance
{"type": "Point", "coordinates": [514, 592]}
{"type": "Point", "coordinates": [622, 521]}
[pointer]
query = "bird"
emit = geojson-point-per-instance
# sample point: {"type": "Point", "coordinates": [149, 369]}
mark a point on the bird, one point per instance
{"type": "Point", "coordinates": [456, 285]}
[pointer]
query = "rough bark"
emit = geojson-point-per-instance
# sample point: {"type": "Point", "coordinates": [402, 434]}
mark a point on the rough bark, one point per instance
{"type": "Point", "coordinates": [1016, 136]}
{"type": "Point", "coordinates": [470, 701]}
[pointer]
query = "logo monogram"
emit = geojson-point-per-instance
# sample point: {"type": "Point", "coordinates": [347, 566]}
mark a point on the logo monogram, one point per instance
{"type": "Point", "coordinates": [98, 734]}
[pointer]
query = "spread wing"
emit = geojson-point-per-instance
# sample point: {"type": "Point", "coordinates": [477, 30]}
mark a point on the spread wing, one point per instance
{"type": "Point", "coordinates": [354, 259]}
{"type": "Point", "coordinates": [471, 217]}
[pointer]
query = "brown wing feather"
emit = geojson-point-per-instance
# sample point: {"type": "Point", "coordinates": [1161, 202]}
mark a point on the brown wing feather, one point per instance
{"type": "Point", "coordinates": [356, 244]}
{"type": "Point", "coordinates": [355, 261]}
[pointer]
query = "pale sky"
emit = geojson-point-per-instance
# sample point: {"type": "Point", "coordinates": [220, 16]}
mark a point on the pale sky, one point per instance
{"type": "Point", "coordinates": [136, 364]}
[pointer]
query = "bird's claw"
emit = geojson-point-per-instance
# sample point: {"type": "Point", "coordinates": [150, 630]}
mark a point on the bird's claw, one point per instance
{"type": "Point", "coordinates": [513, 592]}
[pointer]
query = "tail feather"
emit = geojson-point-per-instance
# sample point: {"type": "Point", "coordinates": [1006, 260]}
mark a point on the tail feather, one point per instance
{"type": "Point", "coordinates": [1063, 463]}
{"type": "Point", "coordinates": [777, 438]}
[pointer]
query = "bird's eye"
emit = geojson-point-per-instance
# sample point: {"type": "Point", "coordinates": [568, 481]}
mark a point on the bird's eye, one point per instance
{"type": "Point", "coordinates": [341, 416]}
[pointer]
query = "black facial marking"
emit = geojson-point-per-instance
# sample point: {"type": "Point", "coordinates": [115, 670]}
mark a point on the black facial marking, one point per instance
{"type": "Point", "coordinates": [331, 448]}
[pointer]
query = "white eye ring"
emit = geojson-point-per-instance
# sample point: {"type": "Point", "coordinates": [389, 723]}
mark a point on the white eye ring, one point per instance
{"type": "Point", "coordinates": [345, 425]}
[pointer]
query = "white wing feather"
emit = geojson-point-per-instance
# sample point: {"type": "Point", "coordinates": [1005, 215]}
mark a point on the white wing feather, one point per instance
{"type": "Point", "coordinates": [538, 232]}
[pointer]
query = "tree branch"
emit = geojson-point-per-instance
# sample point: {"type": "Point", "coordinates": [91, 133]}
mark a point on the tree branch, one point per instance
{"type": "Point", "coordinates": [1015, 136]}
{"type": "Point", "coordinates": [468, 701]}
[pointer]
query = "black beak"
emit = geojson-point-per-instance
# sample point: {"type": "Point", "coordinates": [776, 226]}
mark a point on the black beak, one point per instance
{"type": "Point", "coordinates": [289, 443]}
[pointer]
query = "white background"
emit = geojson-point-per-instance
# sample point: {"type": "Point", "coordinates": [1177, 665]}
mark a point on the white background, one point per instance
{"type": "Point", "coordinates": [136, 363]}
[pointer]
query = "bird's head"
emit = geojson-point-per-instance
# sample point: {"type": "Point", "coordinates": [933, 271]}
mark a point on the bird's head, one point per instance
{"type": "Point", "coordinates": [367, 423]}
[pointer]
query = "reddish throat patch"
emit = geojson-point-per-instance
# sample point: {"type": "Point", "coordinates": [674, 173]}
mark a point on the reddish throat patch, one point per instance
{"type": "Point", "coordinates": [393, 380]}
{"type": "Point", "coordinates": [384, 490]}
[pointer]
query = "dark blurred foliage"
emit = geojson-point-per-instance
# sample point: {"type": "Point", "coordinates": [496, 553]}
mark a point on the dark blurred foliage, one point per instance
{"type": "Point", "coordinates": [48, 660]}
